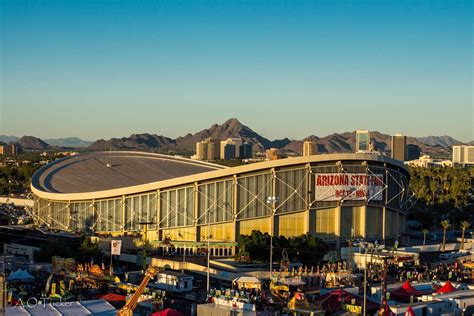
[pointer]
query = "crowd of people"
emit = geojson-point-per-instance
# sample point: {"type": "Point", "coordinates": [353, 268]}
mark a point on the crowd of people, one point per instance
{"type": "Point", "coordinates": [419, 273]}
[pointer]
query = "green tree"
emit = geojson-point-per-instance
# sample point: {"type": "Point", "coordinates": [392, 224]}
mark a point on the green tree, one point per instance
{"type": "Point", "coordinates": [425, 231]}
{"type": "Point", "coordinates": [58, 247]}
{"type": "Point", "coordinates": [445, 224]}
{"type": "Point", "coordinates": [305, 248]}
{"type": "Point", "coordinates": [464, 225]}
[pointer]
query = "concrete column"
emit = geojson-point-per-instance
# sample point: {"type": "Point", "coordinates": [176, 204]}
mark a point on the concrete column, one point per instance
{"type": "Point", "coordinates": [363, 221]}
{"type": "Point", "coordinates": [312, 222]}
{"type": "Point", "coordinates": [337, 228]}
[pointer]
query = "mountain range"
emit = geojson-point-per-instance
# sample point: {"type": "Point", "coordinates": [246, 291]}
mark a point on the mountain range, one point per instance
{"type": "Point", "coordinates": [436, 146]}
{"type": "Point", "coordinates": [68, 142]}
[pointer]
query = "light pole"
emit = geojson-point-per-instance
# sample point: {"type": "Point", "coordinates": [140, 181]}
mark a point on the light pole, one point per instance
{"type": "Point", "coordinates": [208, 248]}
{"type": "Point", "coordinates": [273, 200]}
{"type": "Point", "coordinates": [366, 245]}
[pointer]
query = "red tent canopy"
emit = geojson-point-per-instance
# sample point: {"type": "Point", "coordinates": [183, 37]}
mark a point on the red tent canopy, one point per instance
{"type": "Point", "coordinates": [405, 291]}
{"type": "Point", "coordinates": [446, 288]}
{"type": "Point", "coordinates": [333, 301]}
{"type": "Point", "coordinates": [409, 312]}
{"type": "Point", "coordinates": [112, 298]}
{"type": "Point", "coordinates": [168, 312]}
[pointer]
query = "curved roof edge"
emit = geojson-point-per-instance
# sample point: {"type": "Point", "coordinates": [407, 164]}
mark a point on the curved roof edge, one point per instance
{"type": "Point", "coordinates": [223, 172]}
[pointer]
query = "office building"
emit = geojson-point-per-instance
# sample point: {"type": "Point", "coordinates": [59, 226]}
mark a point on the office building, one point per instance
{"type": "Point", "coordinates": [4, 149]}
{"type": "Point", "coordinates": [213, 146]}
{"type": "Point", "coordinates": [201, 150]}
{"type": "Point", "coordinates": [463, 154]}
{"type": "Point", "coordinates": [362, 140]}
{"type": "Point", "coordinates": [424, 161]}
{"type": "Point", "coordinates": [15, 149]}
{"type": "Point", "coordinates": [207, 149]}
{"type": "Point", "coordinates": [232, 141]}
{"type": "Point", "coordinates": [399, 143]}
{"type": "Point", "coordinates": [228, 152]}
{"type": "Point", "coordinates": [12, 149]}
{"type": "Point", "coordinates": [245, 151]}
{"type": "Point", "coordinates": [413, 152]}
{"type": "Point", "coordinates": [309, 148]}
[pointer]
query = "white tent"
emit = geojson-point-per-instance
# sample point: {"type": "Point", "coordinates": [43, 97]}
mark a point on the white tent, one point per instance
{"type": "Point", "coordinates": [247, 279]}
{"type": "Point", "coordinates": [248, 282]}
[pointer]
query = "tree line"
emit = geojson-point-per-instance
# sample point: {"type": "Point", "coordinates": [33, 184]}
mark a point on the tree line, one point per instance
{"type": "Point", "coordinates": [306, 248]}
{"type": "Point", "coordinates": [441, 193]}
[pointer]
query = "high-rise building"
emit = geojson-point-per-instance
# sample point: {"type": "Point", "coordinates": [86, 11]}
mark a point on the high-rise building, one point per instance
{"type": "Point", "coordinates": [15, 149]}
{"type": "Point", "coordinates": [233, 141]}
{"type": "Point", "coordinates": [4, 149]}
{"type": "Point", "coordinates": [399, 143]}
{"type": "Point", "coordinates": [229, 152]}
{"type": "Point", "coordinates": [10, 149]}
{"type": "Point", "coordinates": [245, 151]}
{"type": "Point", "coordinates": [463, 154]}
{"type": "Point", "coordinates": [213, 149]}
{"type": "Point", "coordinates": [413, 152]}
{"type": "Point", "coordinates": [208, 149]}
{"type": "Point", "coordinates": [309, 148]}
{"type": "Point", "coordinates": [201, 150]}
{"type": "Point", "coordinates": [362, 140]}
{"type": "Point", "coordinates": [271, 154]}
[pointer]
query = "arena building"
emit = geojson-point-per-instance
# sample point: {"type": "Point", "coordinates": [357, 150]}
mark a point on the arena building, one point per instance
{"type": "Point", "coordinates": [186, 202]}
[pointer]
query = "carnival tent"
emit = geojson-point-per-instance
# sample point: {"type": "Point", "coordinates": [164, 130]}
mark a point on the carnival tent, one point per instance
{"type": "Point", "coordinates": [113, 298]}
{"type": "Point", "coordinates": [247, 282]}
{"type": "Point", "coordinates": [405, 292]}
{"type": "Point", "coordinates": [167, 312]}
{"type": "Point", "coordinates": [446, 288]}
{"type": "Point", "coordinates": [20, 275]}
{"type": "Point", "coordinates": [334, 301]}
{"type": "Point", "coordinates": [409, 312]}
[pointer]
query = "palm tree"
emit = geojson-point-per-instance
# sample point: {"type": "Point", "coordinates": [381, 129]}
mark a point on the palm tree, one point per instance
{"type": "Point", "coordinates": [464, 225]}
{"type": "Point", "coordinates": [425, 231]}
{"type": "Point", "coordinates": [445, 224]}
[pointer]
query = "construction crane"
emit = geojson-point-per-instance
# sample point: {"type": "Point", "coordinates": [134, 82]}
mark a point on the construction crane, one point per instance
{"type": "Point", "coordinates": [127, 310]}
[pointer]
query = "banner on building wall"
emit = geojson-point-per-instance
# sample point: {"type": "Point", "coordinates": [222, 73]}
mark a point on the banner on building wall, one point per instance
{"type": "Point", "coordinates": [115, 247]}
{"type": "Point", "coordinates": [349, 186]}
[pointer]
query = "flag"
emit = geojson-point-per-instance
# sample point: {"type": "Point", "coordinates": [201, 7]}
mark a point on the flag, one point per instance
{"type": "Point", "coordinates": [115, 247]}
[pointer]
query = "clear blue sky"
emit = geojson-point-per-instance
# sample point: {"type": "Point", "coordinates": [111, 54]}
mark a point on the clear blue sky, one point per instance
{"type": "Point", "coordinates": [101, 69]}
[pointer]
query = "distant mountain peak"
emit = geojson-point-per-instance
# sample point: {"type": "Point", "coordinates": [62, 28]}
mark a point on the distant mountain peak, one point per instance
{"type": "Point", "coordinates": [31, 142]}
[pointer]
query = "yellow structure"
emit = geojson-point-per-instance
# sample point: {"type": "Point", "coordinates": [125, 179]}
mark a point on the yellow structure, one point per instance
{"type": "Point", "coordinates": [208, 149]}
{"type": "Point", "coordinates": [127, 310]}
{"type": "Point", "coordinates": [185, 201]}
{"type": "Point", "coordinates": [309, 148]}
